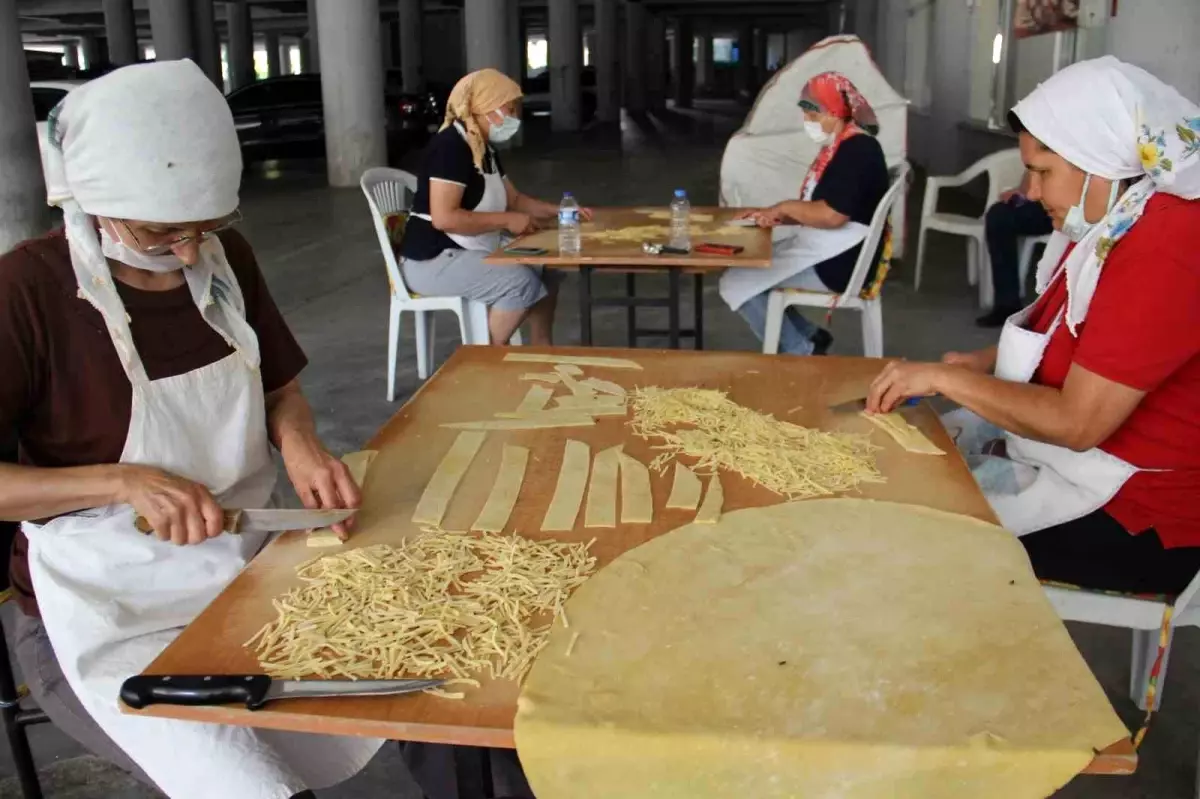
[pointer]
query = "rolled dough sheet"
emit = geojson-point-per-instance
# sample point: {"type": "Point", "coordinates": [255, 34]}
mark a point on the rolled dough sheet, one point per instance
{"type": "Point", "coordinates": [542, 377]}
{"type": "Point", "coordinates": [503, 497]}
{"type": "Point", "coordinates": [436, 497]}
{"type": "Point", "coordinates": [574, 402]}
{"type": "Point", "coordinates": [538, 422]}
{"type": "Point", "coordinates": [665, 214]}
{"type": "Point", "coordinates": [602, 493]}
{"type": "Point", "coordinates": [568, 492]}
{"type": "Point", "coordinates": [535, 399]}
{"type": "Point", "coordinates": [685, 489]}
{"type": "Point", "coordinates": [577, 360]}
{"type": "Point", "coordinates": [827, 649]}
{"type": "Point", "coordinates": [714, 501]}
{"type": "Point", "coordinates": [903, 433]}
{"type": "Point", "coordinates": [570, 414]}
{"type": "Point", "coordinates": [637, 501]}
{"type": "Point", "coordinates": [603, 386]}
{"type": "Point", "coordinates": [359, 463]}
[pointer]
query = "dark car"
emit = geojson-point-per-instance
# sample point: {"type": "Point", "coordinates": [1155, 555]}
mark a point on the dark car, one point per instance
{"type": "Point", "coordinates": [284, 118]}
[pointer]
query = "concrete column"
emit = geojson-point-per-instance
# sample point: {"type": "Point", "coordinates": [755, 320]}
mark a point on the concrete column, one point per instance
{"type": "Point", "coordinates": [656, 62]}
{"type": "Point", "coordinates": [797, 43]}
{"type": "Point", "coordinates": [171, 26]}
{"type": "Point", "coordinates": [312, 51]}
{"type": "Point", "coordinates": [285, 54]}
{"type": "Point", "coordinates": [565, 40]}
{"type": "Point", "coordinates": [760, 57]}
{"type": "Point", "coordinates": [606, 58]}
{"type": "Point", "coordinates": [352, 88]}
{"type": "Point", "coordinates": [685, 63]}
{"type": "Point", "coordinates": [706, 68]}
{"type": "Point", "coordinates": [411, 60]}
{"type": "Point", "coordinates": [23, 210]}
{"type": "Point", "coordinates": [485, 28]}
{"type": "Point", "coordinates": [589, 44]}
{"type": "Point", "coordinates": [515, 41]}
{"type": "Point", "coordinates": [745, 65]}
{"type": "Point", "coordinates": [388, 44]}
{"type": "Point", "coordinates": [636, 63]}
{"type": "Point", "coordinates": [91, 52]}
{"type": "Point", "coordinates": [121, 29]}
{"type": "Point", "coordinates": [71, 54]}
{"type": "Point", "coordinates": [241, 44]}
{"type": "Point", "coordinates": [271, 45]}
{"type": "Point", "coordinates": [208, 42]}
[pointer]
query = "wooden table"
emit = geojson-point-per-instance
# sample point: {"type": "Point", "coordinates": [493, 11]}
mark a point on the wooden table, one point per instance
{"type": "Point", "coordinates": [473, 384]}
{"type": "Point", "coordinates": [627, 257]}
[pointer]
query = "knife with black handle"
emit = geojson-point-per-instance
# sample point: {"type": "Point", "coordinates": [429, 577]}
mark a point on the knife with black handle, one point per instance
{"type": "Point", "coordinates": [252, 690]}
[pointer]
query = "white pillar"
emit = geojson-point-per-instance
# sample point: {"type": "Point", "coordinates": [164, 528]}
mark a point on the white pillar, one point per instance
{"type": "Point", "coordinates": [411, 61]}
{"type": "Point", "coordinates": [607, 61]}
{"type": "Point", "coordinates": [208, 42]}
{"type": "Point", "coordinates": [565, 39]}
{"type": "Point", "coordinates": [71, 54]}
{"type": "Point", "coordinates": [271, 45]}
{"type": "Point", "coordinates": [241, 44]}
{"type": "Point", "coordinates": [636, 20]}
{"type": "Point", "coordinates": [121, 29]}
{"type": "Point", "coordinates": [312, 52]}
{"type": "Point", "coordinates": [515, 42]}
{"type": "Point", "coordinates": [171, 26]}
{"type": "Point", "coordinates": [685, 63]}
{"type": "Point", "coordinates": [485, 28]}
{"type": "Point", "coordinates": [23, 210]}
{"type": "Point", "coordinates": [90, 52]}
{"type": "Point", "coordinates": [352, 89]}
{"type": "Point", "coordinates": [706, 64]}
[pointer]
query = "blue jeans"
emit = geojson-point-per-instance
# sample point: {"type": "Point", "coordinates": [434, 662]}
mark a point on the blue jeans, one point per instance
{"type": "Point", "coordinates": [795, 337]}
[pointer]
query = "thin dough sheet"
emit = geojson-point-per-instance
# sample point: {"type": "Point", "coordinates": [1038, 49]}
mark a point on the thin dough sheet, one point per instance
{"type": "Point", "coordinates": [903, 433]}
{"type": "Point", "coordinates": [436, 498]}
{"type": "Point", "coordinates": [685, 489]}
{"type": "Point", "coordinates": [602, 493]}
{"type": "Point", "coordinates": [637, 500]}
{"type": "Point", "coordinates": [568, 493]}
{"type": "Point", "coordinates": [505, 491]}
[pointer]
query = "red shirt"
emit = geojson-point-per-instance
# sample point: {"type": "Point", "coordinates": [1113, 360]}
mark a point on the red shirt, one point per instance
{"type": "Point", "coordinates": [1142, 330]}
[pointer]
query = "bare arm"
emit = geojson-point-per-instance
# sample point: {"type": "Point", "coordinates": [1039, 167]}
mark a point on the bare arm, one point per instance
{"type": "Point", "coordinates": [448, 215]}
{"type": "Point", "coordinates": [28, 492]}
{"type": "Point", "coordinates": [528, 205]}
{"type": "Point", "coordinates": [812, 214]}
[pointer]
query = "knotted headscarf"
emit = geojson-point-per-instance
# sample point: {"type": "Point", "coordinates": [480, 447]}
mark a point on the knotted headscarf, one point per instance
{"type": "Point", "coordinates": [475, 95]}
{"type": "Point", "coordinates": [1118, 122]}
{"type": "Point", "coordinates": [834, 93]}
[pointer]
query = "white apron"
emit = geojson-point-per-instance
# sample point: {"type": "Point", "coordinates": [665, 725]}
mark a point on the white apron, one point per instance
{"type": "Point", "coordinates": [112, 599]}
{"type": "Point", "coordinates": [1059, 484]}
{"type": "Point", "coordinates": [493, 201]}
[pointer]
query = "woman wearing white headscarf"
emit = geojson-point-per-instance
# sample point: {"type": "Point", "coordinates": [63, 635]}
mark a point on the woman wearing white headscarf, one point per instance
{"type": "Point", "coordinates": [1083, 425]}
{"type": "Point", "coordinates": [146, 370]}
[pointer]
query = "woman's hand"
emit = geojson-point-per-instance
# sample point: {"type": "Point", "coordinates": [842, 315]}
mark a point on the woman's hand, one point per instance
{"type": "Point", "coordinates": [900, 380]}
{"type": "Point", "coordinates": [322, 482]}
{"type": "Point", "coordinates": [519, 224]}
{"type": "Point", "coordinates": [980, 361]}
{"type": "Point", "coordinates": [179, 510]}
{"type": "Point", "coordinates": [586, 214]}
{"type": "Point", "coordinates": [747, 213]}
{"type": "Point", "coordinates": [769, 217]}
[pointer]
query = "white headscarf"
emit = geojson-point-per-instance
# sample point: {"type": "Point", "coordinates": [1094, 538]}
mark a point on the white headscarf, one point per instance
{"type": "Point", "coordinates": [1115, 121]}
{"type": "Point", "coordinates": [154, 143]}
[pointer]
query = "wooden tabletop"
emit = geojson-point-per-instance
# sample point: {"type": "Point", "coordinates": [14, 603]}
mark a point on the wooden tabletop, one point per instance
{"type": "Point", "coordinates": [475, 383]}
{"type": "Point", "coordinates": [600, 253]}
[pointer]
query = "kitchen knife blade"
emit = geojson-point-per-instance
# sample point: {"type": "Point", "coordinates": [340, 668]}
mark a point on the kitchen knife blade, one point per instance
{"type": "Point", "coordinates": [860, 405]}
{"type": "Point", "coordinates": [252, 690]}
{"type": "Point", "coordinates": [269, 520]}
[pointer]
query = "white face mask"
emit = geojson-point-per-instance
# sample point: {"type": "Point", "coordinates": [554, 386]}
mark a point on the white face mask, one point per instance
{"type": "Point", "coordinates": [1075, 225]}
{"type": "Point", "coordinates": [817, 133]}
{"type": "Point", "coordinates": [118, 250]}
{"type": "Point", "coordinates": [503, 130]}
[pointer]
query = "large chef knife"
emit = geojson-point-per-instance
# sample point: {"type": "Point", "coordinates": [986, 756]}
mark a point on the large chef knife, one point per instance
{"type": "Point", "coordinates": [269, 520]}
{"type": "Point", "coordinates": [253, 690]}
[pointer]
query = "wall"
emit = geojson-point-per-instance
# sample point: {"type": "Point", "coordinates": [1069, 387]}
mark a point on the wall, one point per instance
{"type": "Point", "coordinates": [1161, 36]}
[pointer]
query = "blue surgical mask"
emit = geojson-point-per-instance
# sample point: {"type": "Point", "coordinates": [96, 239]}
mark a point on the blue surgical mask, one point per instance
{"type": "Point", "coordinates": [1075, 225]}
{"type": "Point", "coordinates": [504, 130]}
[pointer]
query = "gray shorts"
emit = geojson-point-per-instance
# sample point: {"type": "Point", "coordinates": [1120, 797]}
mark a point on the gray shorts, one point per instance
{"type": "Point", "coordinates": [462, 273]}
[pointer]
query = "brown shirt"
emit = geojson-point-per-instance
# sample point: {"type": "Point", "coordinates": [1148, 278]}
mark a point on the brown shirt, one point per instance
{"type": "Point", "coordinates": [62, 388]}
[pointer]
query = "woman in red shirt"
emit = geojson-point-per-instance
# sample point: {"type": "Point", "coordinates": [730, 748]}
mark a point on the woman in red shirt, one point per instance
{"type": "Point", "coordinates": [1083, 424]}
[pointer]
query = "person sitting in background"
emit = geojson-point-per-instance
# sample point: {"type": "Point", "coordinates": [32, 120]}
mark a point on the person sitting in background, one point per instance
{"type": "Point", "coordinates": [1014, 217]}
{"type": "Point", "coordinates": [1082, 426]}
{"type": "Point", "coordinates": [817, 238]}
{"type": "Point", "coordinates": [465, 204]}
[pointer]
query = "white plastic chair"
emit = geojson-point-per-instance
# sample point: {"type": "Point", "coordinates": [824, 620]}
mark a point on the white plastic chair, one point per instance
{"type": "Point", "coordinates": [1143, 616]}
{"type": "Point", "coordinates": [1004, 170]}
{"type": "Point", "coordinates": [780, 300]}
{"type": "Point", "coordinates": [389, 191]}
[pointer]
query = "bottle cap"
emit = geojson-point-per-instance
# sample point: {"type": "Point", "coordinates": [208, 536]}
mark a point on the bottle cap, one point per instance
{"type": "Point", "coordinates": [567, 194]}
{"type": "Point", "coordinates": [680, 193]}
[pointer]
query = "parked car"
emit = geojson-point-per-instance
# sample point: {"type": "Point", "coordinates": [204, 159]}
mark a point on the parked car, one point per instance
{"type": "Point", "coordinates": [284, 117]}
{"type": "Point", "coordinates": [46, 95]}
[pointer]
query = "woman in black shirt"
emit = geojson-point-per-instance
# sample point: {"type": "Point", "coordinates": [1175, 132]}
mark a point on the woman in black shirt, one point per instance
{"type": "Point", "coordinates": [465, 204]}
{"type": "Point", "coordinates": [820, 234]}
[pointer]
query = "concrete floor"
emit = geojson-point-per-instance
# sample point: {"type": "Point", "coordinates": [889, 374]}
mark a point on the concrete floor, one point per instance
{"type": "Point", "coordinates": [320, 256]}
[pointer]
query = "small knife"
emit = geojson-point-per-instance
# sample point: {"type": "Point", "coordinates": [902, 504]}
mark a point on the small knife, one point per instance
{"type": "Point", "coordinates": [860, 405]}
{"type": "Point", "coordinates": [268, 520]}
{"type": "Point", "coordinates": [253, 690]}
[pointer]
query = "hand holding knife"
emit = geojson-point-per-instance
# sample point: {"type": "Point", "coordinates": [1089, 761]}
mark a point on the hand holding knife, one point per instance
{"type": "Point", "coordinates": [268, 520]}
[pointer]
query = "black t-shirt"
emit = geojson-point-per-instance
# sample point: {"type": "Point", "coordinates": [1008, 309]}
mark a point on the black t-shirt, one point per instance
{"type": "Point", "coordinates": [853, 184]}
{"type": "Point", "coordinates": [447, 158]}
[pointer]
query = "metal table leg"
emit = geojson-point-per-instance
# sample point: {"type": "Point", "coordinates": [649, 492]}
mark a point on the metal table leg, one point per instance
{"type": "Point", "coordinates": [631, 310]}
{"type": "Point", "coordinates": [585, 305]}
{"type": "Point", "coordinates": [698, 330]}
{"type": "Point", "coordinates": [673, 300]}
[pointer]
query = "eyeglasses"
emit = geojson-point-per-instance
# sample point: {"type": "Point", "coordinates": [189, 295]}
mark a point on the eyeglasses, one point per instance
{"type": "Point", "coordinates": [155, 245]}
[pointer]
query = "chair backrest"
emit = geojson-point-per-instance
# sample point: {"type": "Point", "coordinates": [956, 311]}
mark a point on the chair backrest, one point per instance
{"type": "Point", "coordinates": [1004, 170]}
{"type": "Point", "coordinates": [870, 245]}
{"type": "Point", "coordinates": [389, 192]}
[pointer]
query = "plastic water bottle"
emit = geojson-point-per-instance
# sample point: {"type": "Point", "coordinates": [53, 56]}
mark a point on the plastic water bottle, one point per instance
{"type": "Point", "coordinates": [681, 221]}
{"type": "Point", "coordinates": [569, 239]}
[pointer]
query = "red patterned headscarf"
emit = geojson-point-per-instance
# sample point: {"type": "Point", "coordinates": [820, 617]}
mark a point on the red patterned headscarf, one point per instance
{"type": "Point", "coordinates": [834, 93]}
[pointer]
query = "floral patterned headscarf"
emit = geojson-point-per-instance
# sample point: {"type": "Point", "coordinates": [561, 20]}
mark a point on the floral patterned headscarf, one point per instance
{"type": "Point", "coordinates": [1118, 122]}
